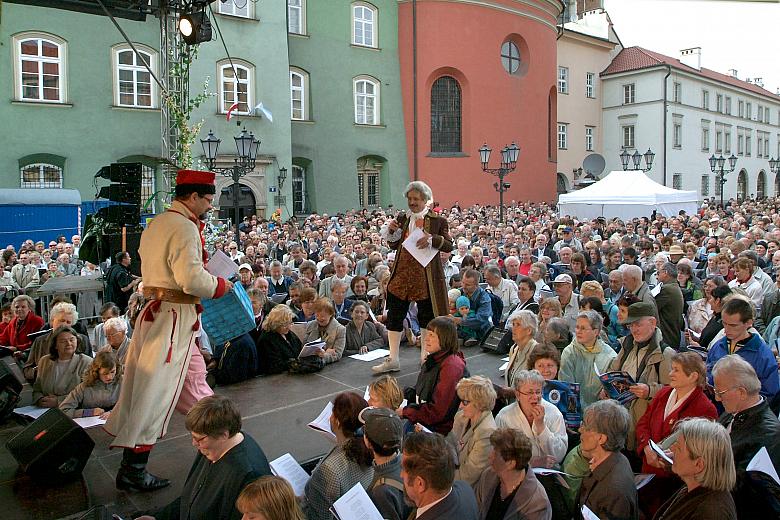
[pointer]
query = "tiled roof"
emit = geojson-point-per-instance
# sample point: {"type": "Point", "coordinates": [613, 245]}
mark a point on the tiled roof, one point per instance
{"type": "Point", "coordinates": [636, 58]}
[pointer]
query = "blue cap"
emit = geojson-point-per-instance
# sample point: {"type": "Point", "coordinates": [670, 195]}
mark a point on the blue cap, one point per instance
{"type": "Point", "coordinates": [462, 301]}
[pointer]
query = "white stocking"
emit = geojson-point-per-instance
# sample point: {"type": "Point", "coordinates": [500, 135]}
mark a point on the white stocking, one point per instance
{"type": "Point", "coordinates": [394, 339]}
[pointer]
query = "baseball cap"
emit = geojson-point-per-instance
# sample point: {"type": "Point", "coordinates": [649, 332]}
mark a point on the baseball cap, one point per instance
{"type": "Point", "coordinates": [639, 310]}
{"type": "Point", "coordinates": [245, 266]}
{"type": "Point", "coordinates": [563, 278]}
{"type": "Point", "coordinates": [382, 426]}
{"type": "Point", "coordinates": [567, 229]}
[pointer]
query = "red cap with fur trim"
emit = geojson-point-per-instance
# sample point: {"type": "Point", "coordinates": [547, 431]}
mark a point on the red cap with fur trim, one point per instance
{"type": "Point", "coordinates": [194, 177]}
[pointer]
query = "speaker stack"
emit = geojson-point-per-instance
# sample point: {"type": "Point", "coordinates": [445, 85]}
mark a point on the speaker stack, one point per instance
{"type": "Point", "coordinates": [11, 382]}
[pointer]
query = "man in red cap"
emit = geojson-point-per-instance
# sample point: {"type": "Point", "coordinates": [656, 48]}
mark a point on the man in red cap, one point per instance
{"type": "Point", "coordinates": [164, 368]}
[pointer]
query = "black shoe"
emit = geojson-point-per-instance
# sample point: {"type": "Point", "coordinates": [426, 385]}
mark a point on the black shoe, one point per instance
{"type": "Point", "coordinates": [470, 342]}
{"type": "Point", "coordinates": [138, 479]}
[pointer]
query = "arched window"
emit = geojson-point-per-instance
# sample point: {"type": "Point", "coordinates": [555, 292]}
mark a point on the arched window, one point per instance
{"type": "Point", "coordinates": [40, 65]}
{"type": "Point", "coordinates": [235, 87]}
{"type": "Point", "coordinates": [761, 185]}
{"type": "Point", "coordinates": [41, 175]}
{"type": "Point", "coordinates": [364, 24]}
{"type": "Point", "coordinates": [299, 90]}
{"type": "Point", "coordinates": [366, 94]}
{"type": "Point", "coordinates": [133, 85]}
{"type": "Point", "coordinates": [369, 181]}
{"type": "Point", "coordinates": [742, 185]}
{"type": "Point", "coordinates": [445, 115]}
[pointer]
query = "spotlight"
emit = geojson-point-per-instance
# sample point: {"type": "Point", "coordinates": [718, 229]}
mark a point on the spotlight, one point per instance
{"type": "Point", "coordinates": [195, 27]}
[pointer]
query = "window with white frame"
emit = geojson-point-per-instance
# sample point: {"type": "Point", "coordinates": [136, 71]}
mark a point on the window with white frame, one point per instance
{"type": "Point", "coordinates": [299, 87]}
{"type": "Point", "coordinates": [748, 145]}
{"type": "Point", "coordinates": [727, 108]}
{"type": "Point", "coordinates": [235, 7]}
{"type": "Point", "coordinates": [133, 84]}
{"type": "Point", "coordinates": [236, 87]}
{"type": "Point", "coordinates": [368, 183]}
{"type": "Point", "coordinates": [677, 135]}
{"type": "Point", "coordinates": [366, 95]}
{"type": "Point", "coordinates": [705, 99]}
{"type": "Point", "coordinates": [629, 93]}
{"type": "Point", "coordinates": [677, 183]}
{"type": "Point", "coordinates": [749, 110]}
{"type": "Point", "coordinates": [589, 138]}
{"type": "Point", "coordinates": [563, 80]}
{"type": "Point", "coordinates": [760, 110]}
{"type": "Point", "coordinates": [677, 92]}
{"type": "Point", "coordinates": [740, 144]}
{"type": "Point", "coordinates": [719, 103]}
{"type": "Point", "coordinates": [705, 185]}
{"type": "Point", "coordinates": [718, 141]}
{"type": "Point", "coordinates": [628, 136]}
{"type": "Point", "coordinates": [741, 108]}
{"type": "Point", "coordinates": [563, 136]}
{"type": "Point", "coordinates": [727, 142]}
{"type": "Point", "coordinates": [705, 139]}
{"type": "Point", "coordinates": [40, 66]}
{"type": "Point", "coordinates": [590, 85]}
{"type": "Point", "coordinates": [759, 147]}
{"type": "Point", "coordinates": [296, 16]}
{"type": "Point", "coordinates": [364, 17]}
{"type": "Point", "coordinates": [41, 175]}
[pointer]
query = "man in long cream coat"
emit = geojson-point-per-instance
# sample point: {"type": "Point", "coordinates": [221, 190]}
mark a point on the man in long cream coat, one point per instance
{"type": "Point", "coordinates": [162, 374]}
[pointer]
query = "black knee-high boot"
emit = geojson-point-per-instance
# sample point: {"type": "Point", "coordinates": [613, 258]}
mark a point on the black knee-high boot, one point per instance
{"type": "Point", "coordinates": [132, 473]}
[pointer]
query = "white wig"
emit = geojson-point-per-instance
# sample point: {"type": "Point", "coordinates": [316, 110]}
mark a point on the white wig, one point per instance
{"type": "Point", "coordinates": [420, 187]}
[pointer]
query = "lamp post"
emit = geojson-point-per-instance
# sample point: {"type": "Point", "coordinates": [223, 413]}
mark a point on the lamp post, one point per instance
{"type": "Point", "coordinates": [247, 147]}
{"type": "Point", "coordinates": [717, 166]}
{"type": "Point", "coordinates": [508, 164]}
{"type": "Point", "coordinates": [636, 159]}
{"type": "Point", "coordinates": [774, 165]}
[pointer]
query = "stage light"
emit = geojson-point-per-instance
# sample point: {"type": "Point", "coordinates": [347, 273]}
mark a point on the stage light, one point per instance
{"type": "Point", "coordinates": [195, 27]}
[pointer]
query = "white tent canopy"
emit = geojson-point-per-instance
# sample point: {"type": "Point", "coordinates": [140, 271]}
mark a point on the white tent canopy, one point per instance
{"type": "Point", "coordinates": [627, 194]}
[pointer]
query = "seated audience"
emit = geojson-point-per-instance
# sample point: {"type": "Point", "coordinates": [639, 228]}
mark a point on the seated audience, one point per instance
{"type": "Point", "coordinates": [361, 334]}
{"type": "Point", "coordinates": [609, 490]}
{"type": "Point", "coordinates": [116, 337]}
{"type": "Point", "coordinates": [684, 397]}
{"type": "Point", "coordinates": [524, 325]}
{"type": "Point", "coordinates": [234, 361]}
{"type": "Point", "coordinates": [326, 328]}
{"type": "Point", "coordinates": [479, 303]}
{"type": "Point", "coordinates": [261, 307]}
{"type": "Point", "coordinates": [737, 317]}
{"type": "Point", "coordinates": [348, 463]}
{"type": "Point", "coordinates": [306, 301]}
{"type": "Point", "coordinates": [539, 420]}
{"type": "Point", "coordinates": [338, 295]}
{"type": "Point", "coordinates": [434, 401]}
{"type": "Point", "coordinates": [277, 345]}
{"type": "Point", "coordinates": [472, 426]}
{"type": "Point", "coordinates": [384, 392]}
{"type": "Point", "coordinates": [557, 334]}
{"type": "Point", "coordinates": [60, 315]}
{"type": "Point", "coordinates": [227, 460]}
{"type": "Point", "coordinates": [61, 370]}
{"type": "Point", "coordinates": [359, 287]}
{"type": "Point", "coordinates": [382, 434]}
{"type": "Point", "coordinates": [704, 461]}
{"type": "Point", "coordinates": [718, 298]}
{"type": "Point", "coordinates": [25, 321]}
{"type": "Point", "coordinates": [107, 311]}
{"type": "Point", "coordinates": [269, 498]}
{"type": "Point", "coordinates": [586, 351]}
{"type": "Point", "coordinates": [98, 391]}
{"type": "Point", "coordinates": [549, 308]}
{"type": "Point", "coordinates": [428, 473]}
{"type": "Point", "coordinates": [508, 489]}
{"type": "Point", "coordinates": [751, 425]}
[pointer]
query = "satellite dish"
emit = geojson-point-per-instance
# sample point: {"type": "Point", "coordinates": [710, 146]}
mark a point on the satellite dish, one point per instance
{"type": "Point", "coordinates": [594, 164]}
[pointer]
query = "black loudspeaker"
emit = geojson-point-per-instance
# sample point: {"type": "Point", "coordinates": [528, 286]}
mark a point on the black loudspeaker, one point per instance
{"type": "Point", "coordinates": [497, 340]}
{"type": "Point", "coordinates": [53, 448]}
{"type": "Point", "coordinates": [11, 382]}
{"type": "Point", "coordinates": [114, 246]}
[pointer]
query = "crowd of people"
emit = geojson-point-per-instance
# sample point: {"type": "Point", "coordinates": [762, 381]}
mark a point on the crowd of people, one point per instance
{"type": "Point", "coordinates": [688, 306]}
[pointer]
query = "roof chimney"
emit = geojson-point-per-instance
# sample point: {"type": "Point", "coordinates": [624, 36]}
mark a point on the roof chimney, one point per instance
{"type": "Point", "coordinates": [759, 82]}
{"type": "Point", "coordinates": [691, 57]}
{"type": "Point", "coordinates": [733, 73]}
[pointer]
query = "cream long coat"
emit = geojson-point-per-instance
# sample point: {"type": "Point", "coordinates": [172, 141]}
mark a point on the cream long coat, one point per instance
{"type": "Point", "coordinates": [159, 352]}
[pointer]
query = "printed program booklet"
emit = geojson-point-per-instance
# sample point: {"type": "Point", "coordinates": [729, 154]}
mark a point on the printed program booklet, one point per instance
{"type": "Point", "coordinates": [566, 397]}
{"type": "Point", "coordinates": [616, 384]}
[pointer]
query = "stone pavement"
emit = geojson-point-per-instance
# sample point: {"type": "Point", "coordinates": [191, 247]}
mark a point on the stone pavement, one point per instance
{"type": "Point", "coordinates": [275, 412]}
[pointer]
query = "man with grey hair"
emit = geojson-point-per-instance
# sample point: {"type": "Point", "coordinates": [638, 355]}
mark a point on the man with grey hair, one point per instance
{"type": "Point", "coordinates": [669, 303]}
{"type": "Point", "coordinates": [632, 282]}
{"type": "Point", "coordinates": [614, 290]}
{"type": "Point", "coordinates": [751, 425]}
{"type": "Point", "coordinates": [512, 267]}
{"type": "Point", "coordinates": [539, 420]}
{"type": "Point", "coordinates": [341, 265]}
{"type": "Point", "coordinates": [116, 338]}
{"type": "Point", "coordinates": [503, 288]}
{"type": "Point", "coordinates": [278, 283]}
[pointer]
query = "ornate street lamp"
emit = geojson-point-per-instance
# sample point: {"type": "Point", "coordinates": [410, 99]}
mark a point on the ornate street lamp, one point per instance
{"type": "Point", "coordinates": [509, 155]}
{"type": "Point", "coordinates": [717, 166]}
{"type": "Point", "coordinates": [636, 159]}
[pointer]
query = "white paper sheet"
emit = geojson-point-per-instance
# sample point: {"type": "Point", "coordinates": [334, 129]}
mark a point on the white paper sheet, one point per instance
{"type": "Point", "coordinates": [761, 462]}
{"type": "Point", "coordinates": [355, 504]}
{"type": "Point", "coordinates": [557, 474]}
{"type": "Point", "coordinates": [655, 291]}
{"type": "Point", "coordinates": [587, 514]}
{"type": "Point", "coordinates": [322, 423]}
{"type": "Point", "coordinates": [641, 479]}
{"type": "Point", "coordinates": [660, 452]}
{"type": "Point", "coordinates": [423, 428]}
{"type": "Point", "coordinates": [424, 256]}
{"type": "Point", "coordinates": [31, 411]}
{"type": "Point", "coordinates": [503, 367]}
{"type": "Point", "coordinates": [220, 264]}
{"type": "Point", "coordinates": [505, 358]}
{"type": "Point", "coordinates": [371, 355]}
{"type": "Point", "coordinates": [289, 469]}
{"type": "Point", "coordinates": [312, 348]}
{"type": "Point", "coordinates": [89, 422]}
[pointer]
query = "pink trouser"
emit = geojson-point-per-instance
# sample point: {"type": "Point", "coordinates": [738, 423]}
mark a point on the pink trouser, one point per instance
{"type": "Point", "coordinates": [195, 387]}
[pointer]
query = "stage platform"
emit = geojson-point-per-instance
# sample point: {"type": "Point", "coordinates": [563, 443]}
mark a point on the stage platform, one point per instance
{"type": "Point", "coordinates": [275, 412]}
